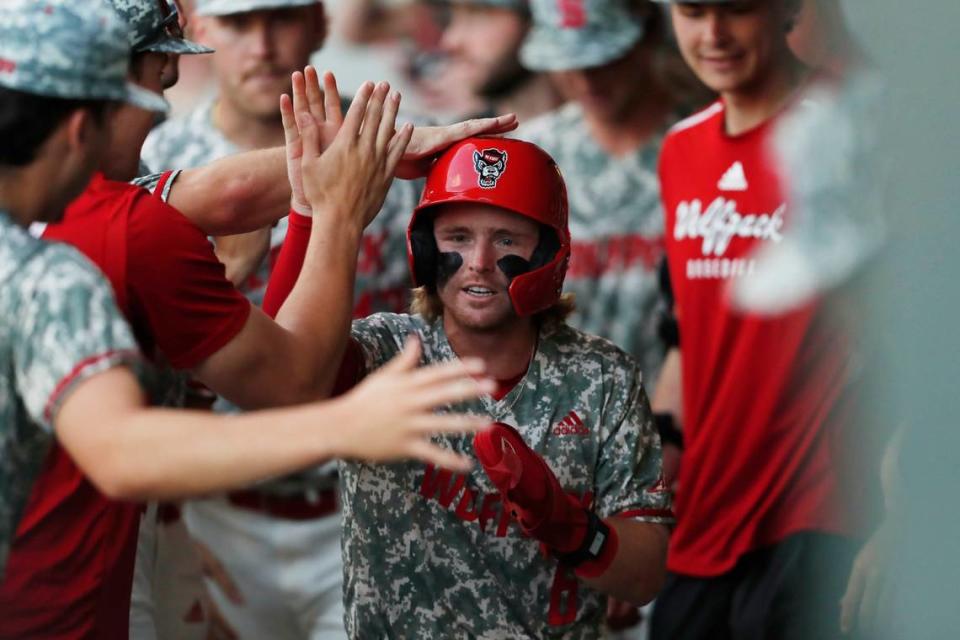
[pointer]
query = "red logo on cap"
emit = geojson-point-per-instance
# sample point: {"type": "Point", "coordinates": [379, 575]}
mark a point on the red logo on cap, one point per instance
{"type": "Point", "coordinates": [7, 66]}
{"type": "Point", "coordinates": [572, 14]}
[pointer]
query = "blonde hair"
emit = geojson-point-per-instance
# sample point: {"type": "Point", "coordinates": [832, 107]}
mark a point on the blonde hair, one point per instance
{"type": "Point", "coordinates": [427, 304]}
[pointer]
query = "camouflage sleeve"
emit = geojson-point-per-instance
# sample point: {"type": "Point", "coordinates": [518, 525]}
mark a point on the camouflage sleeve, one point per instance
{"type": "Point", "coordinates": [151, 182]}
{"type": "Point", "coordinates": [70, 330]}
{"type": "Point", "coordinates": [381, 337]}
{"type": "Point", "coordinates": [629, 474]}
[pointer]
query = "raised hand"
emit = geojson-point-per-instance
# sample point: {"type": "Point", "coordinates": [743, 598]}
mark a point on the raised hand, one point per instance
{"type": "Point", "coordinates": [350, 179]}
{"type": "Point", "coordinates": [394, 410]}
{"type": "Point", "coordinates": [427, 142]}
{"type": "Point", "coordinates": [323, 107]}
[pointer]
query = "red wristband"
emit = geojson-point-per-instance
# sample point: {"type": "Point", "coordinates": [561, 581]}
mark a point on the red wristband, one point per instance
{"type": "Point", "coordinates": [289, 263]}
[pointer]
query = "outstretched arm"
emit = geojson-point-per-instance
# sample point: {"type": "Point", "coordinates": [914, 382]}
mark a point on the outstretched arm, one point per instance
{"type": "Point", "coordinates": [131, 452]}
{"type": "Point", "coordinates": [236, 194]}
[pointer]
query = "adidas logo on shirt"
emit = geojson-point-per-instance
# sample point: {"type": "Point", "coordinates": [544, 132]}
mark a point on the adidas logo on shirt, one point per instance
{"type": "Point", "coordinates": [733, 179]}
{"type": "Point", "coordinates": [571, 425]}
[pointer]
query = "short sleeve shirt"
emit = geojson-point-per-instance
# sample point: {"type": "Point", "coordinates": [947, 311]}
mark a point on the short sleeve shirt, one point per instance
{"type": "Point", "coordinates": [165, 274]}
{"type": "Point", "coordinates": [60, 325]}
{"type": "Point", "coordinates": [772, 392]}
{"type": "Point", "coordinates": [616, 227]}
{"type": "Point", "coordinates": [430, 554]}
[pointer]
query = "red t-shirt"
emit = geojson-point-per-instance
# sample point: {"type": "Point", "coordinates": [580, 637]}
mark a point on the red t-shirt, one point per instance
{"type": "Point", "coordinates": [70, 570]}
{"type": "Point", "coordinates": [765, 399]}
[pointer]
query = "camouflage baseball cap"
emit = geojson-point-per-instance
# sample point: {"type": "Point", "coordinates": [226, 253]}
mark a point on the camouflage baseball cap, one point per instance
{"type": "Point", "coordinates": [68, 49]}
{"type": "Point", "coordinates": [578, 34]}
{"type": "Point", "coordinates": [228, 7]}
{"type": "Point", "coordinates": [155, 26]}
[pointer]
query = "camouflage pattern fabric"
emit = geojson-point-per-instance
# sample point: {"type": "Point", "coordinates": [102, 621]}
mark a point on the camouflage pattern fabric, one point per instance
{"type": "Point", "coordinates": [150, 181]}
{"type": "Point", "coordinates": [66, 49]}
{"type": "Point", "coordinates": [60, 325]}
{"type": "Point", "coordinates": [616, 224]}
{"type": "Point", "coordinates": [578, 35]}
{"type": "Point", "coordinates": [152, 24]}
{"type": "Point", "coordinates": [430, 554]}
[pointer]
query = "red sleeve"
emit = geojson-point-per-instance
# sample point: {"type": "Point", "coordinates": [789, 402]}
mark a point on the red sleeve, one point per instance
{"type": "Point", "coordinates": [178, 286]}
{"type": "Point", "coordinates": [284, 276]}
{"type": "Point", "coordinates": [287, 268]}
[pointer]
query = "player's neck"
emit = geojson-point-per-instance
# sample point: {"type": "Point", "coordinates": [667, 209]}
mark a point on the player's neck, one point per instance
{"type": "Point", "coordinates": [750, 107]}
{"type": "Point", "coordinates": [244, 131]}
{"type": "Point", "coordinates": [505, 351]}
{"type": "Point", "coordinates": [532, 98]}
{"type": "Point", "coordinates": [23, 193]}
{"type": "Point", "coordinates": [638, 124]}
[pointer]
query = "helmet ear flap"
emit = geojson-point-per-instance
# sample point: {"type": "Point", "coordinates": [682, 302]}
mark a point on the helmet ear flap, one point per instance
{"type": "Point", "coordinates": [546, 249]}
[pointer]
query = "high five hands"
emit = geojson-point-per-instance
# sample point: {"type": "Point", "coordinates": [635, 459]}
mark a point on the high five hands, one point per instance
{"type": "Point", "coordinates": [319, 109]}
{"type": "Point", "coordinates": [346, 163]}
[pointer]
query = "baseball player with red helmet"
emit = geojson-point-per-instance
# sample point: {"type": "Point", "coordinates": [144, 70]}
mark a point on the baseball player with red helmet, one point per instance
{"type": "Point", "coordinates": [566, 505]}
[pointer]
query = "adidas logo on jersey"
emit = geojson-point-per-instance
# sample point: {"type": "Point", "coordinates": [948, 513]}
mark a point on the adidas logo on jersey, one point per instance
{"type": "Point", "coordinates": [734, 179]}
{"type": "Point", "coordinates": [571, 425]}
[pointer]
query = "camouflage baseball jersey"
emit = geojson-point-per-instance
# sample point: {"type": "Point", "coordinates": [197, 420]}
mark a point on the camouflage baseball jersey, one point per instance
{"type": "Point", "coordinates": [60, 325]}
{"type": "Point", "coordinates": [616, 224]}
{"type": "Point", "coordinates": [431, 554]}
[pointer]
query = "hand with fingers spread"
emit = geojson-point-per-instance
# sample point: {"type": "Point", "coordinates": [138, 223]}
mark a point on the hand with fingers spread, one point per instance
{"type": "Point", "coordinates": [351, 177]}
{"type": "Point", "coordinates": [427, 142]}
{"type": "Point", "coordinates": [324, 107]}
{"type": "Point", "coordinates": [393, 409]}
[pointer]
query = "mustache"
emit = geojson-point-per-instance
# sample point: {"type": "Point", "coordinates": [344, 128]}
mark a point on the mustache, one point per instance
{"type": "Point", "coordinates": [264, 68]}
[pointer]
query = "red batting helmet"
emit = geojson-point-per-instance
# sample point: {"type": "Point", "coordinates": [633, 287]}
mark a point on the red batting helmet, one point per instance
{"type": "Point", "coordinates": [510, 174]}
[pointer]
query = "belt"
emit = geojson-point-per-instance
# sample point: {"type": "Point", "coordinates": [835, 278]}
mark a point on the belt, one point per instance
{"type": "Point", "coordinates": [298, 506]}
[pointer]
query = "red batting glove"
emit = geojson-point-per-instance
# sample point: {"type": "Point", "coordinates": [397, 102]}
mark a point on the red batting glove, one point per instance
{"type": "Point", "coordinates": [531, 490]}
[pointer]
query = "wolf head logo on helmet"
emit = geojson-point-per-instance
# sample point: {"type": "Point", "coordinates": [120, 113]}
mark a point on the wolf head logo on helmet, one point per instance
{"type": "Point", "coordinates": [490, 165]}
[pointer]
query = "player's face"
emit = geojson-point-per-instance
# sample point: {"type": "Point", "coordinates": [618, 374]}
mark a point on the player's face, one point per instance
{"type": "Point", "coordinates": [733, 47]}
{"type": "Point", "coordinates": [475, 297]}
{"type": "Point", "coordinates": [483, 44]}
{"type": "Point", "coordinates": [607, 93]}
{"type": "Point", "coordinates": [129, 125]}
{"type": "Point", "coordinates": [257, 51]}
